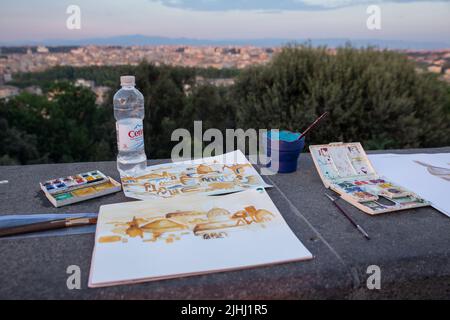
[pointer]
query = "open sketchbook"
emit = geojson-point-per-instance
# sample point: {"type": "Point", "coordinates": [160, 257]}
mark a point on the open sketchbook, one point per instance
{"type": "Point", "coordinates": [221, 174]}
{"type": "Point", "coordinates": [160, 239]}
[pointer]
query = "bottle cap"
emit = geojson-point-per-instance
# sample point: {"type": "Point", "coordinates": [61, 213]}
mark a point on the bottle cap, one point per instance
{"type": "Point", "coordinates": [127, 81]}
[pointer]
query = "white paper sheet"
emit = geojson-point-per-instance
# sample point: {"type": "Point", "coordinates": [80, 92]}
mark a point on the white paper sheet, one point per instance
{"type": "Point", "coordinates": [203, 234]}
{"type": "Point", "coordinates": [424, 174]}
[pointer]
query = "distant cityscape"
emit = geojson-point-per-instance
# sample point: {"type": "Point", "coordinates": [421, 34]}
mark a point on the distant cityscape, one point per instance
{"type": "Point", "coordinates": [39, 58]}
{"type": "Point", "coordinates": [33, 59]}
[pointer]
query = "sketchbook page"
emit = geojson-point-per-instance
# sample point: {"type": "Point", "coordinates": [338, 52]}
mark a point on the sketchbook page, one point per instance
{"type": "Point", "coordinates": [160, 239]}
{"type": "Point", "coordinates": [428, 175]}
{"type": "Point", "coordinates": [221, 174]}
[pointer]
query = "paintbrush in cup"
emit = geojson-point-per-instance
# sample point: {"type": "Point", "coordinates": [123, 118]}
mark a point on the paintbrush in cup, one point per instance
{"type": "Point", "coordinates": [312, 125]}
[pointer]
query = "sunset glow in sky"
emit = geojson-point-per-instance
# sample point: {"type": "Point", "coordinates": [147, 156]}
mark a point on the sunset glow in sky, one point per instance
{"type": "Point", "coordinates": [409, 20]}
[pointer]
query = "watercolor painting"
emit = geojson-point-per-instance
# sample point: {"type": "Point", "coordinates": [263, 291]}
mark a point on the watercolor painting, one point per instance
{"type": "Point", "coordinates": [440, 172]}
{"type": "Point", "coordinates": [222, 174]}
{"type": "Point", "coordinates": [172, 226]}
{"type": "Point", "coordinates": [150, 240]}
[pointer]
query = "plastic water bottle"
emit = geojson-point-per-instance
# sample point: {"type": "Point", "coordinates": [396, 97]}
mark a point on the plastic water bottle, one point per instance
{"type": "Point", "coordinates": [129, 113]}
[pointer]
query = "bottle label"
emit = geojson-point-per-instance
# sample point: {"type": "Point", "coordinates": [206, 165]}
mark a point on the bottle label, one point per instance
{"type": "Point", "coordinates": [130, 135]}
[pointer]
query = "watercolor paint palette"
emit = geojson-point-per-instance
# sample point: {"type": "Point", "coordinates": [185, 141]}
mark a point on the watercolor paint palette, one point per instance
{"type": "Point", "coordinates": [79, 187]}
{"type": "Point", "coordinates": [59, 185]}
{"type": "Point", "coordinates": [346, 169]}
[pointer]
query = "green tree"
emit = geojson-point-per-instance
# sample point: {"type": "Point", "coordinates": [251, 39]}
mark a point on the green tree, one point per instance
{"type": "Point", "coordinates": [66, 128]}
{"type": "Point", "coordinates": [373, 96]}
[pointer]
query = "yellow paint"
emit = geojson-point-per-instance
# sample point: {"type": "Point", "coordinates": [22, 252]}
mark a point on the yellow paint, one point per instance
{"type": "Point", "coordinates": [108, 239]}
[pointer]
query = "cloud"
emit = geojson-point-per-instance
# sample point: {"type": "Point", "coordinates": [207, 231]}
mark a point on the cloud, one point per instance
{"type": "Point", "coordinates": [273, 5]}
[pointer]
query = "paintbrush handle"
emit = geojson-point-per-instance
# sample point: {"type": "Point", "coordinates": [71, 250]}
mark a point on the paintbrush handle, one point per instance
{"type": "Point", "coordinates": [33, 227]}
{"type": "Point", "coordinates": [357, 226]}
{"type": "Point", "coordinates": [46, 225]}
{"type": "Point", "coordinates": [313, 125]}
{"type": "Point", "coordinates": [345, 213]}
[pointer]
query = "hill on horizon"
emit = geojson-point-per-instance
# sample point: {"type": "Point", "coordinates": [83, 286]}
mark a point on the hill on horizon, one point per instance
{"type": "Point", "coordinates": [138, 39]}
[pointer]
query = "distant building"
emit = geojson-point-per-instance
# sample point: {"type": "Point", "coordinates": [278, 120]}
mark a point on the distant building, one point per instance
{"type": "Point", "coordinates": [435, 69]}
{"type": "Point", "coordinates": [218, 82]}
{"type": "Point", "coordinates": [7, 77]}
{"type": "Point", "coordinates": [34, 90]}
{"type": "Point", "coordinates": [77, 51]}
{"type": "Point", "coordinates": [7, 92]}
{"type": "Point", "coordinates": [447, 75]}
{"type": "Point", "coordinates": [42, 49]}
{"type": "Point", "coordinates": [54, 93]}
{"type": "Point", "coordinates": [187, 89]}
{"type": "Point", "coordinates": [222, 82]}
{"type": "Point", "coordinates": [85, 83]}
{"type": "Point", "coordinates": [101, 94]}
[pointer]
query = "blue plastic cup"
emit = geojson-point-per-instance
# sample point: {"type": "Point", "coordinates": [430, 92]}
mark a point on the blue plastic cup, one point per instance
{"type": "Point", "coordinates": [288, 149]}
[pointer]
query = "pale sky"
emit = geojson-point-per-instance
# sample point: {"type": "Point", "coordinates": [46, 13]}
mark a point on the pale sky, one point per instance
{"type": "Point", "coordinates": [409, 20]}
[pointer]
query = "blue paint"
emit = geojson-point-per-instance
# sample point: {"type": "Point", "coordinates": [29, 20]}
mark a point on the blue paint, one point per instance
{"type": "Point", "coordinates": [286, 136]}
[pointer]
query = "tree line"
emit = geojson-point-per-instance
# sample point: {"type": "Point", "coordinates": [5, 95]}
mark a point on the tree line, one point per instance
{"type": "Point", "coordinates": [374, 97]}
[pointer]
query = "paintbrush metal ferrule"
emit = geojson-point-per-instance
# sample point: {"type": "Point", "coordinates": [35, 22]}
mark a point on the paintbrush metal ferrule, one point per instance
{"type": "Point", "coordinates": [363, 231]}
{"type": "Point", "coordinates": [78, 221]}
